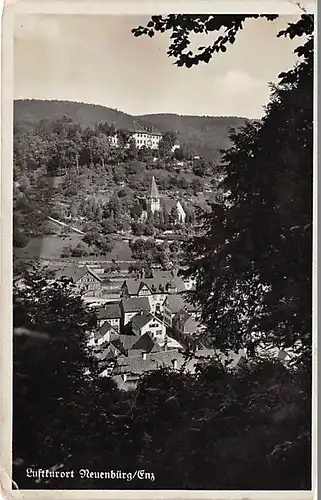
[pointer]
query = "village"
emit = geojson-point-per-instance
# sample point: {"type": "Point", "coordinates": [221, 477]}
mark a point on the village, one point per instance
{"type": "Point", "coordinates": [145, 317]}
{"type": "Point", "coordinates": [144, 322]}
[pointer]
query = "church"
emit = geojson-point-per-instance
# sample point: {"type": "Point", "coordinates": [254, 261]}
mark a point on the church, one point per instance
{"type": "Point", "coordinates": [157, 203]}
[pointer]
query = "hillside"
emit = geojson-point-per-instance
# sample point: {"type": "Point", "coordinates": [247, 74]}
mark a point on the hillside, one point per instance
{"type": "Point", "coordinates": [28, 112]}
{"type": "Point", "coordinates": [205, 135]}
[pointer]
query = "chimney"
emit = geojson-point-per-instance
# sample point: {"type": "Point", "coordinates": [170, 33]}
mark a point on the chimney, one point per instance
{"type": "Point", "coordinates": [144, 355]}
{"type": "Point", "coordinates": [174, 361]}
{"type": "Point", "coordinates": [125, 377]}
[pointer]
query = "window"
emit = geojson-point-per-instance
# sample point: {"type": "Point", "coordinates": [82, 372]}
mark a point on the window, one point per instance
{"type": "Point", "coordinates": [158, 332]}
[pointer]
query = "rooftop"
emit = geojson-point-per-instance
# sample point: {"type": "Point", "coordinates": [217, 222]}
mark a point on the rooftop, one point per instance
{"type": "Point", "coordinates": [105, 328]}
{"type": "Point", "coordinates": [139, 129]}
{"type": "Point", "coordinates": [137, 364]}
{"type": "Point", "coordinates": [142, 319]}
{"type": "Point", "coordinates": [109, 311]}
{"type": "Point", "coordinates": [157, 284]}
{"type": "Point", "coordinates": [75, 273]}
{"type": "Point", "coordinates": [135, 304]}
{"type": "Point", "coordinates": [146, 344]}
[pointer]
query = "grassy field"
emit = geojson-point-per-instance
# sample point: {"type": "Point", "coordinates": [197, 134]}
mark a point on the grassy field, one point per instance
{"type": "Point", "coordinates": [51, 247]}
{"type": "Point", "coordinates": [47, 246]}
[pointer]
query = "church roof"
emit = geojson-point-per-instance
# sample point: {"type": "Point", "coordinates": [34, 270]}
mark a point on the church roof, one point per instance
{"type": "Point", "coordinates": [154, 189]}
{"type": "Point", "coordinates": [169, 203]}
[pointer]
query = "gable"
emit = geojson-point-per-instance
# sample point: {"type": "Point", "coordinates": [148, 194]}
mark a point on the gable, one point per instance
{"type": "Point", "coordinates": [144, 289]}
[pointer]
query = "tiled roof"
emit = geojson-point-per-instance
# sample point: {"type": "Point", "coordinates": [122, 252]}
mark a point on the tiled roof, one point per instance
{"type": "Point", "coordinates": [138, 128]}
{"type": "Point", "coordinates": [135, 304]}
{"type": "Point", "coordinates": [109, 311]}
{"type": "Point", "coordinates": [140, 320]}
{"type": "Point", "coordinates": [157, 284]}
{"type": "Point", "coordinates": [105, 328]}
{"type": "Point", "coordinates": [106, 353]}
{"type": "Point", "coordinates": [168, 203]}
{"type": "Point", "coordinates": [138, 365]}
{"type": "Point", "coordinates": [132, 285]}
{"type": "Point", "coordinates": [126, 341]}
{"type": "Point", "coordinates": [75, 273]}
{"type": "Point", "coordinates": [144, 343]}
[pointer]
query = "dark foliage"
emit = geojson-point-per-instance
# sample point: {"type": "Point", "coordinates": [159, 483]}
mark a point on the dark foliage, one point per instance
{"type": "Point", "coordinates": [254, 260]}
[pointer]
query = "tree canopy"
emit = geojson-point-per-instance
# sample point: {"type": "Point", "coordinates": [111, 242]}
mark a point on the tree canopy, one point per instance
{"type": "Point", "coordinates": [223, 27]}
{"type": "Point", "coordinates": [253, 262]}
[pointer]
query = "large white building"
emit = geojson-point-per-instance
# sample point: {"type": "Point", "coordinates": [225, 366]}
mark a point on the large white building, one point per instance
{"type": "Point", "coordinates": [145, 138]}
{"type": "Point", "coordinates": [140, 136]}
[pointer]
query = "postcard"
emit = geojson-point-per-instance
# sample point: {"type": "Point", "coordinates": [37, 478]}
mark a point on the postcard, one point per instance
{"type": "Point", "coordinates": [158, 250]}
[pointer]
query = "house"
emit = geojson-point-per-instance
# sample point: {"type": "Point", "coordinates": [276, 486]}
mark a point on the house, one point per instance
{"type": "Point", "coordinates": [106, 358]}
{"type": "Point", "coordinates": [175, 146]}
{"type": "Point", "coordinates": [144, 344]}
{"type": "Point", "coordinates": [133, 305]}
{"type": "Point", "coordinates": [172, 305]}
{"type": "Point", "coordinates": [155, 289]}
{"type": "Point", "coordinates": [110, 313]}
{"type": "Point", "coordinates": [189, 281]}
{"type": "Point", "coordinates": [114, 142]}
{"type": "Point", "coordinates": [171, 277]}
{"type": "Point", "coordinates": [87, 282]}
{"type": "Point", "coordinates": [184, 322]}
{"type": "Point", "coordinates": [145, 138]}
{"type": "Point", "coordinates": [128, 369]}
{"type": "Point", "coordinates": [146, 322]}
{"type": "Point", "coordinates": [105, 334]}
{"type": "Point", "coordinates": [149, 288]}
{"type": "Point", "coordinates": [124, 342]}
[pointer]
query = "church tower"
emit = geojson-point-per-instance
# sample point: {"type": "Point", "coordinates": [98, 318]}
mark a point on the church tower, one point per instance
{"type": "Point", "coordinates": [153, 200]}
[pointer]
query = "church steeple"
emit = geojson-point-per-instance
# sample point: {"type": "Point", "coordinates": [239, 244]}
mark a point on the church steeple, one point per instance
{"type": "Point", "coordinates": [154, 198]}
{"type": "Point", "coordinates": [154, 190]}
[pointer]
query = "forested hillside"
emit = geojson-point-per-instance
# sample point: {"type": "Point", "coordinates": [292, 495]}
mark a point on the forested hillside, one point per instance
{"type": "Point", "coordinates": [205, 135]}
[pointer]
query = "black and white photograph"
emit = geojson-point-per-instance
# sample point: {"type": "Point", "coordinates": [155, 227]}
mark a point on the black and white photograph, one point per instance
{"type": "Point", "coordinates": [162, 284]}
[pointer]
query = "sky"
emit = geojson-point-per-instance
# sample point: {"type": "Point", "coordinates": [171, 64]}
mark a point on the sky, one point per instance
{"type": "Point", "coordinates": [96, 59]}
